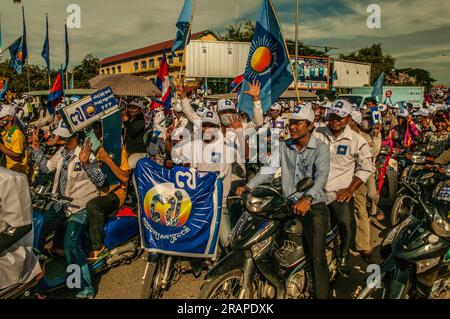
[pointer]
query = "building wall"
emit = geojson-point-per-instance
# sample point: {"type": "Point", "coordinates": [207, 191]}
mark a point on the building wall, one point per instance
{"type": "Point", "coordinates": [351, 74]}
{"type": "Point", "coordinates": [148, 65]}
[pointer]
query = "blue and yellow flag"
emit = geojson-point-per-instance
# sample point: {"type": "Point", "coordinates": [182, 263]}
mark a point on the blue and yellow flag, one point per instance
{"type": "Point", "coordinates": [46, 49]}
{"type": "Point", "coordinates": [183, 25]}
{"type": "Point", "coordinates": [268, 61]}
{"type": "Point", "coordinates": [17, 55]}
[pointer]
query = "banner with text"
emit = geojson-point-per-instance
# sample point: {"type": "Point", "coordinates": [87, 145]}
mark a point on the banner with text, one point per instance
{"type": "Point", "coordinates": [313, 73]}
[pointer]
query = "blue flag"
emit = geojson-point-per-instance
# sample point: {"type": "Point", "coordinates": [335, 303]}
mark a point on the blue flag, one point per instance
{"type": "Point", "coordinates": [184, 25]}
{"type": "Point", "coordinates": [268, 61]}
{"type": "Point", "coordinates": [3, 91]}
{"type": "Point", "coordinates": [378, 87]}
{"type": "Point", "coordinates": [179, 209]}
{"type": "Point", "coordinates": [46, 49]}
{"type": "Point", "coordinates": [17, 56]}
{"type": "Point", "coordinates": [24, 38]}
{"type": "Point", "coordinates": [67, 48]}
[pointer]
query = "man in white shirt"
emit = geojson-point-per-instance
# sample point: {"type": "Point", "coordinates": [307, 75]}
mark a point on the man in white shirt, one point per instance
{"type": "Point", "coordinates": [18, 264]}
{"type": "Point", "coordinates": [350, 166]}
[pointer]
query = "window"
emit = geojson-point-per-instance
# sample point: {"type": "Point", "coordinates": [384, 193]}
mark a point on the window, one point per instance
{"type": "Point", "coordinates": [170, 59]}
{"type": "Point", "coordinates": [103, 71]}
{"type": "Point", "coordinates": [113, 70]}
{"type": "Point", "coordinates": [119, 69]}
{"type": "Point", "coordinates": [136, 66]}
{"type": "Point", "coordinates": [143, 64]}
{"type": "Point", "coordinates": [180, 57]}
{"type": "Point", "coordinates": [107, 70]}
{"type": "Point", "coordinates": [152, 63]}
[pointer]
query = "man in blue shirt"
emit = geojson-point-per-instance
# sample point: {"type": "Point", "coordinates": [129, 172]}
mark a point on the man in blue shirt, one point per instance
{"type": "Point", "coordinates": [299, 157]}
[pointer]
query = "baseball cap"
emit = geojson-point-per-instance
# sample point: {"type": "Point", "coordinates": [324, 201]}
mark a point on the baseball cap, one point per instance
{"type": "Point", "coordinates": [396, 106]}
{"type": "Point", "coordinates": [383, 107]}
{"type": "Point", "coordinates": [62, 130]}
{"type": "Point", "coordinates": [276, 107]}
{"type": "Point", "coordinates": [422, 112]}
{"type": "Point", "coordinates": [225, 105]}
{"type": "Point", "coordinates": [59, 106]}
{"type": "Point", "coordinates": [201, 110]}
{"type": "Point", "coordinates": [7, 110]}
{"type": "Point", "coordinates": [137, 103]}
{"type": "Point", "coordinates": [211, 118]}
{"type": "Point", "coordinates": [341, 108]}
{"type": "Point", "coordinates": [357, 116]}
{"type": "Point", "coordinates": [302, 112]}
{"type": "Point", "coordinates": [403, 113]}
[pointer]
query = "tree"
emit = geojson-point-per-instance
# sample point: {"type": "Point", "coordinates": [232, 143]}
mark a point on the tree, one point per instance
{"type": "Point", "coordinates": [240, 33]}
{"type": "Point", "coordinates": [86, 70]}
{"type": "Point", "coordinates": [423, 77]}
{"type": "Point", "coordinates": [373, 55]}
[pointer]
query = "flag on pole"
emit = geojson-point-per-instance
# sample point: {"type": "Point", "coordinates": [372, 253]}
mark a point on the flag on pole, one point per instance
{"type": "Point", "coordinates": [3, 91]}
{"type": "Point", "coordinates": [236, 82]}
{"type": "Point", "coordinates": [67, 48]}
{"type": "Point", "coordinates": [183, 25]}
{"type": "Point", "coordinates": [24, 37]}
{"type": "Point", "coordinates": [163, 83]}
{"type": "Point", "coordinates": [17, 55]}
{"type": "Point", "coordinates": [46, 49]}
{"type": "Point", "coordinates": [268, 61]}
{"type": "Point", "coordinates": [378, 87]}
{"type": "Point", "coordinates": [56, 93]}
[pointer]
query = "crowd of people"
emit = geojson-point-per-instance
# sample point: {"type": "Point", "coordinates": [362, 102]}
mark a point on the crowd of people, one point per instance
{"type": "Point", "coordinates": [334, 143]}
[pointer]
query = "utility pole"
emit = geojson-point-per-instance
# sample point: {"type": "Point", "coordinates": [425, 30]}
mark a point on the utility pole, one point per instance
{"type": "Point", "coordinates": [296, 44]}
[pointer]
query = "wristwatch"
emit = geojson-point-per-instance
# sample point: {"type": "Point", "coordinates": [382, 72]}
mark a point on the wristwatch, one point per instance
{"type": "Point", "coordinates": [308, 197]}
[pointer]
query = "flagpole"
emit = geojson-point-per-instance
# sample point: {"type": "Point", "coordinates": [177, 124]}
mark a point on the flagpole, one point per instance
{"type": "Point", "coordinates": [185, 44]}
{"type": "Point", "coordinates": [296, 45]}
{"type": "Point", "coordinates": [28, 75]}
{"type": "Point", "coordinates": [285, 46]}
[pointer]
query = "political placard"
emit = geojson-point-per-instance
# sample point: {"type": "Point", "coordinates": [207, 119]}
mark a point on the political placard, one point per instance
{"type": "Point", "coordinates": [92, 108]}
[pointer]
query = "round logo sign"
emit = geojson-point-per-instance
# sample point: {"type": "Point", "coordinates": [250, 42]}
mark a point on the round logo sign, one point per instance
{"type": "Point", "coordinates": [388, 93]}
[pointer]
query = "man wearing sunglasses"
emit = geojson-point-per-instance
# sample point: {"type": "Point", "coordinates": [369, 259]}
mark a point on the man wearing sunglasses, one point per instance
{"type": "Point", "coordinates": [71, 180]}
{"type": "Point", "coordinates": [350, 166]}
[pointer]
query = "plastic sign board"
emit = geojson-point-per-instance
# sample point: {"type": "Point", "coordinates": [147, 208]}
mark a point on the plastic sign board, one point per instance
{"type": "Point", "coordinates": [90, 109]}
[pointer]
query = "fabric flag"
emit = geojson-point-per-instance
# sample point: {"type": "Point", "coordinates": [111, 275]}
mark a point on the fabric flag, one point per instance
{"type": "Point", "coordinates": [163, 83]}
{"type": "Point", "coordinates": [3, 91]}
{"type": "Point", "coordinates": [24, 38]}
{"type": "Point", "coordinates": [378, 87]}
{"type": "Point", "coordinates": [268, 61]}
{"type": "Point", "coordinates": [236, 82]}
{"type": "Point", "coordinates": [67, 48]}
{"type": "Point", "coordinates": [56, 93]}
{"type": "Point", "coordinates": [17, 56]}
{"type": "Point", "coordinates": [179, 209]}
{"type": "Point", "coordinates": [46, 49]}
{"type": "Point", "coordinates": [183, 25]}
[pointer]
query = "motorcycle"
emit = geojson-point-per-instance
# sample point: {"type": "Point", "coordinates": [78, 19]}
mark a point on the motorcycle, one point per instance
{"type": "Point", "coordinates": [121, 238]}
{"type": "Point", "coordinates": [403, 205]}
{"type": "Point", "coordinates": [252, 269]}
{"type": "Point", "coordinates": [416, 252]}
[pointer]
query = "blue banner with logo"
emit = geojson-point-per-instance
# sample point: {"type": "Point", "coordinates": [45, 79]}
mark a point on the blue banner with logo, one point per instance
{"type": "Point", "coordinates": [179, 209]}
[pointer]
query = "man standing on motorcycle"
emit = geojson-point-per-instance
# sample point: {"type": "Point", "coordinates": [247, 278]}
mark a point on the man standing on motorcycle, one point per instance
{"type": "Point", "coordinates": [300, 157]}
{"type": "Point", "coordinates": [71, 180]}
{"type": "Point", "coordinates": [351, 166]}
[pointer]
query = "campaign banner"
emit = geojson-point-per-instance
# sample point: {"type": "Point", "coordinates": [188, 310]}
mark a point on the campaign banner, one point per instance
{"type": "Point", "coordinates": [90, 109]}
{"type": "Point", "coordinates": [313, 73]}
{"type": "Point", "coordinates": [179, 209]}
{"type": "Point", "coordinates": [377, 118]}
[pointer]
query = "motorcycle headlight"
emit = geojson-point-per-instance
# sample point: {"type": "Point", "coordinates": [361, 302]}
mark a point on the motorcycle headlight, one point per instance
{"type": "Point", "coordinates": [426, 264]}
{"type": "Point", "coordinates": [418, 159]}
{"type": "Point", "coordinates": [440, 225]}
{"type": "Point", "coordinates": [257, 204]}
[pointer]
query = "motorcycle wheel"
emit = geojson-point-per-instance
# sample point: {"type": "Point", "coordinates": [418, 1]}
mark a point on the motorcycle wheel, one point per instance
{"type": "Point", "coordinates": [227, 286]}
{"type": "Point", "coordinates": [151, 281]}
{"type": "Point", "coordinates": [401, 209]}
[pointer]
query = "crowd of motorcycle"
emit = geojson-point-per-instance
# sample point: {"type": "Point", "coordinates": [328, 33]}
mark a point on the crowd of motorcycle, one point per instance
{"type": "Point", "coordinates": [414, 190]}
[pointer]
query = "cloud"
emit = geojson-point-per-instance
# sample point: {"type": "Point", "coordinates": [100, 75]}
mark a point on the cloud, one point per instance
{"type": "Point", "coordinates": [415, 32]}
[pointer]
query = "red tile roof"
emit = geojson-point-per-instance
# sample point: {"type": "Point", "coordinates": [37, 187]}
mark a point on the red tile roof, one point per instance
{"type": "Point", "coordinates": [159, 47]}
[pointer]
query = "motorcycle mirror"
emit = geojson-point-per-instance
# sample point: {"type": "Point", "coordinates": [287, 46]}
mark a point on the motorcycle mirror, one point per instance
{"type": "Point", "coordinates": [305, 184]}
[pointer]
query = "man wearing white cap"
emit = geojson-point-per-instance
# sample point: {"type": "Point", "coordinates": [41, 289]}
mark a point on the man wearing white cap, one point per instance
{"type": "Point", "coordinates": [14, 143]}
{"type": "Point", "coordinates": [350, 166]}
{"type": "Point", "coordinates": [300, 157]}
{"type": "Point", "coordinates": [74, 181]}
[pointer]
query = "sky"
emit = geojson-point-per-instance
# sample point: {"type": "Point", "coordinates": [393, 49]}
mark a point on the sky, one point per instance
{"type": "Point", "coordinates": [415, 32]}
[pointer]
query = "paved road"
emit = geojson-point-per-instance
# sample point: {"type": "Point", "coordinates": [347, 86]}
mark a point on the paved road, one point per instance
{"type": "Point", "coordinates": [124, 282]}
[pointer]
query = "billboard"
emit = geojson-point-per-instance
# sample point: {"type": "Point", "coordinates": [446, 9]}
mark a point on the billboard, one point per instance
{"type": "Point", "coordinates": [350, 74]}
{"type": "Point", "coordinates": [313, 72]}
